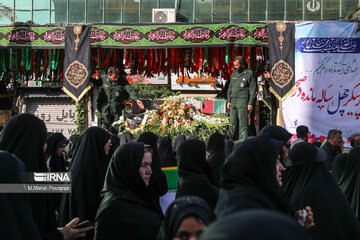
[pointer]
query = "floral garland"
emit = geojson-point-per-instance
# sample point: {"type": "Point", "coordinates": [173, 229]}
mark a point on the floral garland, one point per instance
{"type": "Point", "coordinates": [179, 115]}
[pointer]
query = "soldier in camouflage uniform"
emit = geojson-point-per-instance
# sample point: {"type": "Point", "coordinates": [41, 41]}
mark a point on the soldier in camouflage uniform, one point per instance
{"type": "Point", "coordinates": [113, 94]}
{"type": "Point", "coordinates": [241, 97]}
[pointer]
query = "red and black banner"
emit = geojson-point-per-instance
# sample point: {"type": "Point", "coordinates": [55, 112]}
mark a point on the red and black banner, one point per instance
{"type": "Point", "coordinates": [77, 61]}
{"type": "Point", "coordinates": [282, 58]}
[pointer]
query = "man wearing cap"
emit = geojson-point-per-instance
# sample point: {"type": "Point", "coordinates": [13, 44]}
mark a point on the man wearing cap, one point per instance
{"type": "Point", "coordinates": [241, 97]}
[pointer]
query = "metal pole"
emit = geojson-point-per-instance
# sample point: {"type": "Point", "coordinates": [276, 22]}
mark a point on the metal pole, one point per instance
{"type": "Point", "coordinates": [303, 10]}
{"type": "Point", "coordinates": [212, 10]}
{"type": "Point", "coordinates": [248, 11]}
{"type": "Point", "coordinates": [285, 8]}
{"type": "Point", "coordinates": [68, 11]}
{"type": "Point", "coordinates": [85, 11]}
{"type": "Point", "coordinates": [267, 10]}
{"type": "Point", "coordinates": [230, 13]}
{"type": "Point", "coordinates": [14, 11]}
{"type": "Point", "coordinates": [322, 10]}
{"type": "Point", "coordinates": [103, 1]}
{"type": "Point", "coordinates": [194, 11]}
{"type": "Point", "coordinates": [49, 11]}
{"type": "Point", "coordinates": [31, 11]}
{"type": "Point", "coordinates": [122, 11]}
{"type": "Point", "coordinates": [340, 8]}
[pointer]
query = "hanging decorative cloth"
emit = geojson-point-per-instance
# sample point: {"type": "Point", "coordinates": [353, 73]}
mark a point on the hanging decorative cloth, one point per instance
{"type": "Point", "coordinates": [176, 61]}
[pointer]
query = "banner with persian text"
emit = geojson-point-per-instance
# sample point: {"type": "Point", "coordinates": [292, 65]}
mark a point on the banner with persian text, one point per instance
{"type": "Point", "coordinates": [327, 79]}
{"type": "Point", "coordinates": [141, 36]}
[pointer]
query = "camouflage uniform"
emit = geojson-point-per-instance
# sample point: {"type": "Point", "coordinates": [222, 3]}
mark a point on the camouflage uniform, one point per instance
{"type": "Point", "coordinates": [111, 97]}
{"type": "Point", "coordinates": [241, 93]}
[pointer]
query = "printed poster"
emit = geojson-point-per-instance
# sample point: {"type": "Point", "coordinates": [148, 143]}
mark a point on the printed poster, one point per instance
{"type": "Point", "coordinates": [327, 79]}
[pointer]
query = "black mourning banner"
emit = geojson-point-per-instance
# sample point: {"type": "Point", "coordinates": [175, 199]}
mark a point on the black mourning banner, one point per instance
{"type": "Point", "coordinates": [282, 58]}
{"type": "Point", "coordinates": [77, 61]}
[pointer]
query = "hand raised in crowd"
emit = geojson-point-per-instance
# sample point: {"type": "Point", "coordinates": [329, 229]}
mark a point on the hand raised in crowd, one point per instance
{"type": "Point", "coordinates": [70, 233]}
{"type": "Point", "coordinates": [309, 221]}
{"type": "Point", "coordinates": [250, 107]}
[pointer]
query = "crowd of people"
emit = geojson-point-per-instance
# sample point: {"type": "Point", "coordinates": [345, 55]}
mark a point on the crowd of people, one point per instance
{"type": "Point", "coordinates": [258, 188]}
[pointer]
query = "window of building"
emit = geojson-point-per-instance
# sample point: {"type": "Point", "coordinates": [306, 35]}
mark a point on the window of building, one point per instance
{"type": "Point", "coordinates": [113, 10]}
{"type": "Point", "coordinates": [222, 10]}
{"type": "Point", "coordinates": [146, 10]}
{"type": "Point", "coordinates": [43, 12]}
{"type": "Point", "coordinates": [276, 10]}
{"type": "Point", "coordinates": [313, 10]}
{"type": "Point", "coordinates": [347, 5]}
{"type": "Point", "coordinates": [10, 4]}
{"type": "Point", "coordinates": [76, 11]}
{"type": "Point", "coordinates": [257, 10]}
{"type": "Point", "coordinates": [23, 11]}
{"type": "Point", "coordinates": [60, 11]}
{"type": "Point", "coordinates": [131, 11]}
{"type": "Point", "coordinates": [294, 10]}
{"type": "Point", "coordinates": [186, 9]}
{"type": "Point", "coordinates": [203, 11]}
{"type": "Point", "coordinates": [166, 3]}
{"type": "Point", "coordinates": [95, 11]}
{"type": "Point", "coordinates": [134, 11]}
{"type": "Point", "coordinates": [239, 10]}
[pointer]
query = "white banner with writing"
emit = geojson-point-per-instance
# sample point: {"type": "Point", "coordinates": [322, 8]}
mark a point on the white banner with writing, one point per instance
{"type": "Point", "coordinates": [327, 95]}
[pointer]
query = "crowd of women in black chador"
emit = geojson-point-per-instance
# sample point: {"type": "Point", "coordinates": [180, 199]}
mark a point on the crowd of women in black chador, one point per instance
{"type": "Point", "coordinates": [225, 191]}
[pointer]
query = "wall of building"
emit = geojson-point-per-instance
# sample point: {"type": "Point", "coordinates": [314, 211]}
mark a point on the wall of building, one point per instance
{"type": "Point", "coordinates": [133, 11]}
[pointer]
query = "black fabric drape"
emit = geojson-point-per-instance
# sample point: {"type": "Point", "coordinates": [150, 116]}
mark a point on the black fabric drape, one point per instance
{"type": "Point", "coordinates": [166, 152]}
{"type": "Point", "coordinates": [216, 149]}
{"type": "Point", "coordinates": [25, 136]}
{"type": "Point", "coordinates": [77, 61]}
{"type": "Point", "coordinates": [178, 140]}
{"type": "Point", "coordinates": [196, 177]}
{"type": "Point", "coordinates": [73, 141]}
{"type": "Point", "coordinates": [350, 180]}
{"type": "Point", "coordinates": [339, 165]}
{"type": "Point", "coordinates": [255, 225]}
{"type": "Point", "coordinates": [88, 168]}
{"type": "Point", "coordinates": [229, 144]}
{"type": "Point", "coordinates": [158, 183]}
{"type": "Point", "coordinates": [308, 183]}
{"type": "Point", "coordinates": [115, 143]}
{"type": "Point", "coordinates": [282, 58]}
{"type": "Point", "coordinates": [16, 218]}
{"type": "Point", "coordinates": [181, 208]}
{"type": "Point", "coordinates": [248, 179]}
{"type": "Point", "coordinates": [57, 164]}
{"type": "Point", "coordinates": [127, 209]}
{"type": "Point", "coordinates": [276, 132]}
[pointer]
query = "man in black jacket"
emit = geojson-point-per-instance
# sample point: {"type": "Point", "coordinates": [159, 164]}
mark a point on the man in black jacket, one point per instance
{"type": "Point", "coordinates": [332, 146]}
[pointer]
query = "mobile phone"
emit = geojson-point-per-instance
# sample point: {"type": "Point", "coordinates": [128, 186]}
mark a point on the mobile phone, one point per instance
{"type": "Point", "coordinates": [302, 219]}
{"type": "Point", "coordinates": [83, 224]}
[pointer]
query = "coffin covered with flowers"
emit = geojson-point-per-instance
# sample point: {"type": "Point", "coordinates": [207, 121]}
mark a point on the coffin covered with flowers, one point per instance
{"type": "Point", "coordinates": [177, 115]}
